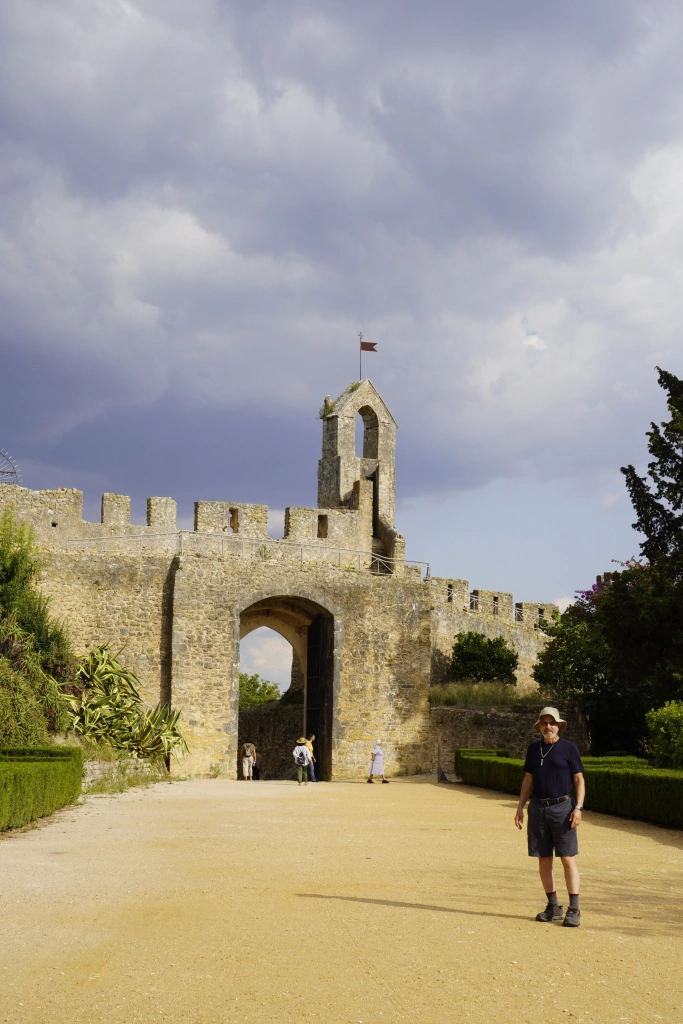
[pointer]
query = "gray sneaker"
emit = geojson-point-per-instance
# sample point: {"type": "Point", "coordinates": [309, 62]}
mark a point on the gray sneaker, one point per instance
{"type": "Point", "coordinates": [553, 912]}
{"type": "Point", "coordinates": [572, 919]}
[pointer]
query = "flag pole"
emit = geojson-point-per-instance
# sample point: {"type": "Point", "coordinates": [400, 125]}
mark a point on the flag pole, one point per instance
{"type": "Point", "coordinates": [360, 356]}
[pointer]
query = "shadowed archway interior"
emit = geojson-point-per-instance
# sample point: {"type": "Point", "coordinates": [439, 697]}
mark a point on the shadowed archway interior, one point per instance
{"type": "Point", "coordinates": [309, 628]}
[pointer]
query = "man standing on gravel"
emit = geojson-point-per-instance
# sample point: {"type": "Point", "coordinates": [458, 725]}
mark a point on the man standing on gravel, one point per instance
{"type": "Point", "coordinates": [553, 769]}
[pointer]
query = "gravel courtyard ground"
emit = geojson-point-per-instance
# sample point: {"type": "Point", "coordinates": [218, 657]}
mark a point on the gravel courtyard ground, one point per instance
{"type": "Point", "coordinates": [252, 902]}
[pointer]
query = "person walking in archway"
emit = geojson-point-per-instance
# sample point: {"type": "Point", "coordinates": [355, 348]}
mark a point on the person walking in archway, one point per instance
{"type": "Point", "coordinates": [302, 759]}
{"type": "Point", "coordinates": [553, 772]}
{"type": "Point", "coordinates": [311, 763]}
{"type": "Point", "coordinates": [248, 754]}
{"type": "Point", "coordinates": [377, 763]}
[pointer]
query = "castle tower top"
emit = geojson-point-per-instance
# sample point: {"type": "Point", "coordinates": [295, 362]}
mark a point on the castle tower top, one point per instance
{"type": "Point", "coordinates": [340, 467]}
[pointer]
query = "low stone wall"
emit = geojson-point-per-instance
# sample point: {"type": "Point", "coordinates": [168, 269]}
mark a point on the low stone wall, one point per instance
{"type": "Point", "coordinates": [273, 729]}
{"type": "Point", "coordinates": [505, 727]}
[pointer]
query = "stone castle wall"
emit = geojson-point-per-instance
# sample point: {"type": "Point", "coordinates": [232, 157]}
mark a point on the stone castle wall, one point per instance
{"type": "Point", "coordinates": [454, 610]}
{"type": "Point", "coordinates": [504, 728]}
{"type": "Point", "coordinates": [180, 601]}
{"type": "Point", "coordinates": [382, 655]}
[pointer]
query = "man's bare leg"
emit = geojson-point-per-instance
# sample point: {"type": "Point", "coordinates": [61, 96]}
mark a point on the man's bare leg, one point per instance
{"type": "Point", "coordinates": [571, 875]}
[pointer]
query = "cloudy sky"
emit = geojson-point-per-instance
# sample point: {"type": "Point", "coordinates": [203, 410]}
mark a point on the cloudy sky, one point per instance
{"type": "Point", "coordinates": [203, 202]}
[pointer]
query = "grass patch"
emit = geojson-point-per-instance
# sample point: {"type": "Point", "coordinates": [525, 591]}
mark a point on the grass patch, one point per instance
{"type": "Point", "coordinates": [468, 695]}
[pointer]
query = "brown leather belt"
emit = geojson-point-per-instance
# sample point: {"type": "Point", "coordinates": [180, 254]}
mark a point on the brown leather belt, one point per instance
{"type": "Point", "coordinates": [551, 800]}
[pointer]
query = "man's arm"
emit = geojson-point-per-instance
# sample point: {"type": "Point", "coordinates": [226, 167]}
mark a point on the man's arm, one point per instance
{"type": "Point", "coordinates": [580, 790]}
{"type": "Point", "coordinates": [524, 794]}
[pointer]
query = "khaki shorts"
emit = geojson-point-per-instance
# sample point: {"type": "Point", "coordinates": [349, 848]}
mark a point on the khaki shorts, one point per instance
{"type": "Point", "coordinates": [548, 829]}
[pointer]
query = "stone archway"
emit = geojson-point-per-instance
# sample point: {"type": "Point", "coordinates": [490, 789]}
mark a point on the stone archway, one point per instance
{"type": "Point", "coordinates": [309, 628]}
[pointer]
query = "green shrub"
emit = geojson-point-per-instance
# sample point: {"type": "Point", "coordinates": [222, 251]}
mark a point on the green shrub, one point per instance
{"type": "Point", "coordinates": [31, 701]}
{"type": "Point", "coordinates": [36, 781]}
{"type": "Point", "coordinates": [665, 727]}
{"type": "Point", "coordinates": [480, 659]}
{"type": "Point", "coordinates": [109, 709]}
{"type": "Point", "coordinates": [617, 787]}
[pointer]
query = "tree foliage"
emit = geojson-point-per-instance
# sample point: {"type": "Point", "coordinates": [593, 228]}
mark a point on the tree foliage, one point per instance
{"type": "Point", "coordinates": [479, 659]}
{"type": "Point", "coordinates": [21, 602]}
{"type": "Point", "coordinates": [617, 652]}
{"type": "Point", "coordinates": [659, 503]}
{"type": "Point", "coordinates": [255, 691]}
{"type": "Point", "coordinates": [35, 653]}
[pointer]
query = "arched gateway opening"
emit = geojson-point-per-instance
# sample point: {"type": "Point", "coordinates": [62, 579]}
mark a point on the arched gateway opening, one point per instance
{"type": "Point", "coordinates": [309, 628]}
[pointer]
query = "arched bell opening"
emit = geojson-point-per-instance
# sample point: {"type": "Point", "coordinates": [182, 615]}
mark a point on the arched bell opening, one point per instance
{"type": "Point", "coordinates": [367, 433]}
{"type": "Point", "coordinates": [306, 706]}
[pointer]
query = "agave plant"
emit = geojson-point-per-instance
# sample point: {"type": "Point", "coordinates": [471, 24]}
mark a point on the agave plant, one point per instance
{"type": "Point", "coordinates": [109, 708]}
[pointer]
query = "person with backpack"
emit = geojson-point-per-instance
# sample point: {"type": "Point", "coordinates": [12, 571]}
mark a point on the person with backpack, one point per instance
{"type": "Point", "coordinates": [248, 754]}
{"type": "Point", "coordinates": [302, 759]}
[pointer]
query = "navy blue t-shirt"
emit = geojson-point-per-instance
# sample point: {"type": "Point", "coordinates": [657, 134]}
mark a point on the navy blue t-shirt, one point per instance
{"type": "Point", "coordinates": [561, 761]}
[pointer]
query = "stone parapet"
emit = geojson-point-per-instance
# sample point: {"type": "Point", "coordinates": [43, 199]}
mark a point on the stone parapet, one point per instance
{"type": "Point", "coordinates": [242, 519]}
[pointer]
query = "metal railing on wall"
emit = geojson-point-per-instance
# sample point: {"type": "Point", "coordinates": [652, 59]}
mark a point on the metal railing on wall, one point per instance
{"type": "Point", "coordinates": [265, 549]}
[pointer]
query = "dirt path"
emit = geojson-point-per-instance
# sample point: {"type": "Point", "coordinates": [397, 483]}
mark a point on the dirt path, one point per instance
{"type": "Point", "coordinates": [232, 902]}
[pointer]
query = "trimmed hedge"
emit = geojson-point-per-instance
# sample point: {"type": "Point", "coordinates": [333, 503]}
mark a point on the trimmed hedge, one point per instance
{"type": "Point", "coordinates": [651, 794]}
{"type": "Point", "coordinates": [491, 772]}
{"type": "Point", "coordinates": [626, 787]}
{"type": "Point", "coordinates": [41, 753]}
{"type": "Point", "coordinates": [461, 752]}
{"type": "Point", "coordinates": [35, 781]}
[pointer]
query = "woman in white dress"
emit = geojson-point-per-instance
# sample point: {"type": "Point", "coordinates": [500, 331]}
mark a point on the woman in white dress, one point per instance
{"type": "Point", "coordinates": [377, 762]}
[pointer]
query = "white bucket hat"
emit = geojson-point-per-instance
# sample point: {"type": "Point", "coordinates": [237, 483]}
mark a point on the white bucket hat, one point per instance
{"type": "Point", "coordinates": [556, 715]}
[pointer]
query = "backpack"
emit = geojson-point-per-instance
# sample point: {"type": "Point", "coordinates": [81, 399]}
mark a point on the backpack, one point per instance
{"type": "Point", "coordinates": [248, 750]}
{"type": "Point", "coordinates": [300, 758]}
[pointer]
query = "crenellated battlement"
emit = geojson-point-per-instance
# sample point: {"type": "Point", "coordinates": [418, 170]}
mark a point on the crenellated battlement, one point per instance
{"type": "Point", "coordinates": [455, 595]}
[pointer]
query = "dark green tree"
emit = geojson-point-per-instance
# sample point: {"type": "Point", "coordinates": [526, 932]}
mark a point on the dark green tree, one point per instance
{"type": "Point", "coordinates": [478, 659]}
{"type": "Point", "coordinates": [617, 652]}
{"type": "Point", "coordinates": [659, 503]}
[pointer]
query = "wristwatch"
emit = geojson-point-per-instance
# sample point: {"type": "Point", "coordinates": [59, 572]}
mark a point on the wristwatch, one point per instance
{"type": "Point", "coordinates": [578, 807]}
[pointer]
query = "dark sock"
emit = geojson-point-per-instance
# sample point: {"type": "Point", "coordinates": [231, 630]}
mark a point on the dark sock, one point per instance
{"type": "Point", "coordinates": [552, 898]}
{"type": "Point", "coordinates": [574, 901]}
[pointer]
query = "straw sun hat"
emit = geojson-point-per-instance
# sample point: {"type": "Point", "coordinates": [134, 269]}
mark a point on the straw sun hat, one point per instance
{"type": "Point", "coordinates": [556, 715]}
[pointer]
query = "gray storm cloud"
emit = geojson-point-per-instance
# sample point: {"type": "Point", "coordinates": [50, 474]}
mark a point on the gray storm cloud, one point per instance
{"type": "Point", "coordinates": [202, 203]}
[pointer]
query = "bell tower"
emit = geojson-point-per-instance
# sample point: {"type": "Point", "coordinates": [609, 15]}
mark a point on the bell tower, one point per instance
{"type": "Point", "coordinates": [340, 468]}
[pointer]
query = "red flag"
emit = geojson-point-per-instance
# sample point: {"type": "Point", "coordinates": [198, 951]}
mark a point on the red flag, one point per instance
{"type": "Point", "coordinates": [368, 346]}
